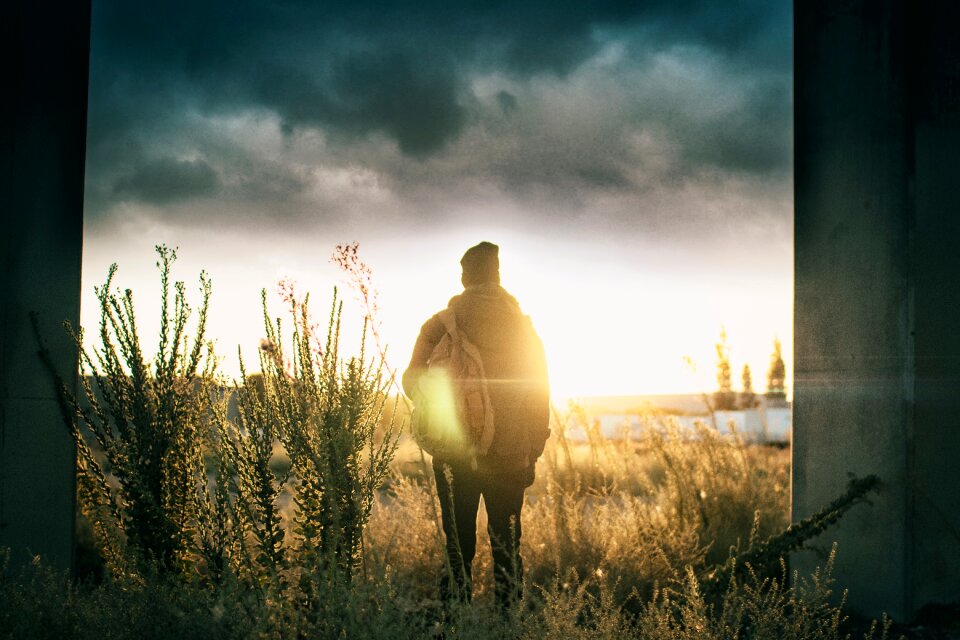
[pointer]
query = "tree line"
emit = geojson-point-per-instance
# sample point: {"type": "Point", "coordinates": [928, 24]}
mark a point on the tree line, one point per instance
{"type": "Point", "coordinates": [726, 399]}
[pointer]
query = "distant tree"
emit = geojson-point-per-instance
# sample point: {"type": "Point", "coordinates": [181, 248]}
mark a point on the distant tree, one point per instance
{"type": "Point", "coordinates": [777, 374]}
{"type": "Point", "coordinates": [724, 399]}
{"type": "Point", "coordinates": [748, 399]}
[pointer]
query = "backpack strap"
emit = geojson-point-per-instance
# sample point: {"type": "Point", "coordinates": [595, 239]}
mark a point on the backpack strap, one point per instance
{"type": "Point", "coordinates": [449, 319]}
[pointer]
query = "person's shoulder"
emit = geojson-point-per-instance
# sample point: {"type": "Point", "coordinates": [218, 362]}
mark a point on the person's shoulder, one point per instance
{"type": "Point", "coordinates": [433, 326]}
{"type": "Point", "coordinates": [509, 300]}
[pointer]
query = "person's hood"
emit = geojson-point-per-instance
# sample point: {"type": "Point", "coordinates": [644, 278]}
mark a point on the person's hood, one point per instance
{"type": "Point", "coordinates": [487, 293]}
{"type": "Point", "coordinates": [484, 312]}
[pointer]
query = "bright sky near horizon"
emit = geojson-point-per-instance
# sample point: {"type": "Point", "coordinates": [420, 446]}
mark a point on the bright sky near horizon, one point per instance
{"type": "Point", "coordinates": [632, 162]}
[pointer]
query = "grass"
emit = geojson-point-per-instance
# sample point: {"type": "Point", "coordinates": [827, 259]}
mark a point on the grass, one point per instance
{"type": "Point", "coordinates": [300, 513]}
{"type": "Point", "coordinates": [602, 562]}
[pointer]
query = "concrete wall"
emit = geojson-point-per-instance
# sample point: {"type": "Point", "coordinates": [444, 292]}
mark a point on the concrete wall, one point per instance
{"type": "Point", "coordinates": [43, 119]}
{"type": "Point", "coordinates": [935, 470]}
{"type": "Point", "coordinates": [877, 347]}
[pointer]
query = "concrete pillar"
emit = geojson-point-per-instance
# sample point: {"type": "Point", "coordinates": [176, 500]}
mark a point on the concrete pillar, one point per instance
{"type": "Point", "coordinates": [43, 123]}
{"type": "Point", "coordinates": [877, 277]}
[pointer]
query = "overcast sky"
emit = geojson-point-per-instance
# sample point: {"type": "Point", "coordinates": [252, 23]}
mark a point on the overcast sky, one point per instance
{"type": "Point", "coordinates": [637, 142]}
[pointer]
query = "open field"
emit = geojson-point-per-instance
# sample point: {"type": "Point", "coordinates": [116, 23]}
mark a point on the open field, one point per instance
{"type": "Point", "coordinates": [291, 504]}
{"type": "Point", "coordinates": [621, 539]}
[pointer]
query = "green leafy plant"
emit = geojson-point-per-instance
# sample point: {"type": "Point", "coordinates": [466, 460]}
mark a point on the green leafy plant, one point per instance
{"type": "Point", "coordinates": [139, 426]}
{"type": "Point", "coordinates": [325, 410]}
{"type": "Point", "coordinates": [767, 552]}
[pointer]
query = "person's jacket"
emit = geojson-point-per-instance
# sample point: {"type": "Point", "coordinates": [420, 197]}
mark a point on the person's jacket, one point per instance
{"type": "Point", "coordinates": [515, 367]}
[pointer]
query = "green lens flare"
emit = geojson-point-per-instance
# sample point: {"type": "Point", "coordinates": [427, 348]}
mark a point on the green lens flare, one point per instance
{"type": "Point", "coordinates": [437, 389]}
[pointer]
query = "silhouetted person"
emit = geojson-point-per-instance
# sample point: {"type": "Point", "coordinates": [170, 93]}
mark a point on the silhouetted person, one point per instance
{"type": "Point", "coordinates": [516, 379]}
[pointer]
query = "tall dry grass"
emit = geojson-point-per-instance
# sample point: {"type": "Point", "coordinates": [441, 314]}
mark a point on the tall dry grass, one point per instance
{"type": "Point", "coordinates": [635, 512]}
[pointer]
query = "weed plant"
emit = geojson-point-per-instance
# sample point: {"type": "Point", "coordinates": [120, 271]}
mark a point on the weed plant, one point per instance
{"type": "Point", "coordinates": [324, 412]}
{"type": "Point", "coordinates": [147, 418]}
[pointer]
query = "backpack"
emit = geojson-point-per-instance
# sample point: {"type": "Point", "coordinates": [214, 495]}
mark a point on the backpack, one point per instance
{"type": "Point", "coordinates": [453, 415]}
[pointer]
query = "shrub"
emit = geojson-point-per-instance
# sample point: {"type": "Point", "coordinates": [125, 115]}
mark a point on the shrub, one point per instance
{"type": "Point", "coordinates": [325, 411]}
{"type": "Point", "coordinates": [148, 420]}
{"type": "Point", "coordinates": [174, 484]}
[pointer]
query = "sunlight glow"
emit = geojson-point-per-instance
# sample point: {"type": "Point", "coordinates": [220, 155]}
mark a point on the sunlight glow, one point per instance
{"type": "Point", "coordinates": [609, 328]}
{"type": "Point", "coordinates": [437, 388]}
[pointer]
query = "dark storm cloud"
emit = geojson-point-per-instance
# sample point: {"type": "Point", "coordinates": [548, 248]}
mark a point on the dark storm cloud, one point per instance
{"type": "Point", "coordinates": [391, 86]}
{"type": "Point", "coordinates": [507, 101]}
{"type": "Point", "coordinates": [388, 92]}
{"type": "Point", "coordinates": [754, 139]}
{"type": "Point", "coordinates": [167, 180]}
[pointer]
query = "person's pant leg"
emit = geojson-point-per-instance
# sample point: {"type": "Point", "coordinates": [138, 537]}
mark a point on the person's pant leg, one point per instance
{"type": "Point", "coordinates": [503, 498]}
{"type": "Point", "coordinates": [459, 493]}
